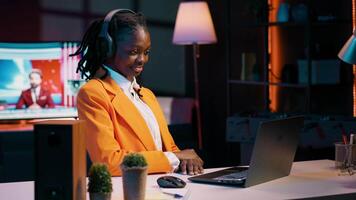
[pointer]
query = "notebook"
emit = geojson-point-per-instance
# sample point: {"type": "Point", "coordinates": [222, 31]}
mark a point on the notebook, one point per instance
{"type": "Point", "coordinates": [272, 156]}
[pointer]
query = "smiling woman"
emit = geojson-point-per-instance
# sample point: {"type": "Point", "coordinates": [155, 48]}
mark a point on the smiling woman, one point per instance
{"type": "Point", "coordinates": [121, 116]}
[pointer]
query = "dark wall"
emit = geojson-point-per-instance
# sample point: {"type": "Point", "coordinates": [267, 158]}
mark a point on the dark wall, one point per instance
{"type": "Point", "coordinates": [19, 20]}
{"type": "Point", "coordinates": [212, 68]}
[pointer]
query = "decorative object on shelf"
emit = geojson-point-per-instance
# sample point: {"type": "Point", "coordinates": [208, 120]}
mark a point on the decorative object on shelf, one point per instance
{"type": "Point", "coordinates": [289, 73]}
{"type": "Point", "coordinates": [99, 186]}
{"type": "Point", "coordinates": [194, 26]}
{"type": "Point", "coordinates": [348, 51]}
{"type": "Point", "coordinates": [248, 64]}
{"type": "Point", "coordinates": [326, 18]}
{"type": "Point", "coordinates": [259, 9]}
{"type": "Point", "coordinates": [134, 175]}
{"type": "Point", "coordinates": [283, 12]}
{"type": "Point", "coordinates": [299, 12]}
{"type": "Point", "coordinates": [323, 71]}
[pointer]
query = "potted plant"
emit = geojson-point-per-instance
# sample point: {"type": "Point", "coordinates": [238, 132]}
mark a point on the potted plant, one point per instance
{"type": "Point", "coordinates": [100, 185]}
{"type": "Point", "coordinates": [134, 174]}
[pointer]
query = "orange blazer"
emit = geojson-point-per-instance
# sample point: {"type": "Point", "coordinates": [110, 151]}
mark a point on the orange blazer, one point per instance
{"type": "Point", "coordinates": [114, 126]}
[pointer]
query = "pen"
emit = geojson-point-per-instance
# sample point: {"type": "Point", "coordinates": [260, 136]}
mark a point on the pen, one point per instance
{"type": "Point", "coordinates": [175, 195]}
{"type": "Point", "coordinates": [344, 138]}
{"type": "Point", "coordinates": [352, 138]}
{"type": "Point", "coordinates": [343, 132]}
{"type": "Point", "coordinates": [349, 151]}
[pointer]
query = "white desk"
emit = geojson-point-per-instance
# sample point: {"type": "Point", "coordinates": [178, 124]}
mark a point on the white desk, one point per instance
{"type": "Point", "coordinates": [309, 179]}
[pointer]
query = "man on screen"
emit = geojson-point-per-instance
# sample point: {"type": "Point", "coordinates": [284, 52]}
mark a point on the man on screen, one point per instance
{"type": "Point", "coordinates": [35, 97]}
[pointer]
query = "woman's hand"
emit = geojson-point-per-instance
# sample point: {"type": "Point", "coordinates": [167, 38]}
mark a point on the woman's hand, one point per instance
{"type": "Point", "coordinates": [190, 162]}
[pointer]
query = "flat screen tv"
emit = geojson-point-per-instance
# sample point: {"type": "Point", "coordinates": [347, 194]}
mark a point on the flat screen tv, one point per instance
{"type": "Point", "coordinates": [59, 77]}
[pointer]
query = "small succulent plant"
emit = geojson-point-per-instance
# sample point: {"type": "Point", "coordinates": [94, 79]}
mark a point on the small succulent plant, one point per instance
{"type": "Point", "coordinates": [99, 179]}
{"type": "Point", "coordinates": [134, 160]}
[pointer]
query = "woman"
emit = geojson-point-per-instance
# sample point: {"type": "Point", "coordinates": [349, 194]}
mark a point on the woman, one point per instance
{"type": "Point", "coordinates": [121, 116]}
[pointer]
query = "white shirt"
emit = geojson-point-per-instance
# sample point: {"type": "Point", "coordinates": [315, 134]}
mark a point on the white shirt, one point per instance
{"type": "Point", "coordinates": [35, 93]}
{"type": "Point", "coordinates": [145, 111]}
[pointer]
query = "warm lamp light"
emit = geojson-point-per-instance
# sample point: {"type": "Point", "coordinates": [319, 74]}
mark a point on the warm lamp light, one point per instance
{"type": "Point", "coordinates": [348, 51]}
{"type": "Point", "coordinates": [194, 26]}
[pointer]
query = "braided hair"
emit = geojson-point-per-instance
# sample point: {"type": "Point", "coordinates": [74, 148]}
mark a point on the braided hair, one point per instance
{"type": "Point", "coordinates": [91, 49]}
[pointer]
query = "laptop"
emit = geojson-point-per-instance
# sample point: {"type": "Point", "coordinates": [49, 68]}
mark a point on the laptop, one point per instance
{"type": "Point", "coordinates": [272, 156]}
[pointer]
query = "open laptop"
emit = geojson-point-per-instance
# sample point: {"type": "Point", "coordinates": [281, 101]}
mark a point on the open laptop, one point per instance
{"type": "Point", "coordinates": [272, 157]}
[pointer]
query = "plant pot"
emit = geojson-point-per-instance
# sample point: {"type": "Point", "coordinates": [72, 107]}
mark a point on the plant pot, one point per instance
{"type": "Point", "coordinates": [134, 182]}
{"type": "Point", "coordinates": [100, 196]}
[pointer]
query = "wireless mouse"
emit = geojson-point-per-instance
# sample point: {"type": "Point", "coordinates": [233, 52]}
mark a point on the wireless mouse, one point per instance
{"type": "Point", "coordinates": [170, 182]}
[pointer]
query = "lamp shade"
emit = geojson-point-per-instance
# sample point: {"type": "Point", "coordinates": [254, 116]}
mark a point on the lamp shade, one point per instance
{"type": "Point", "coordinates": [348, 51]}
{"type": "Point", "coordinates": [194, 24]}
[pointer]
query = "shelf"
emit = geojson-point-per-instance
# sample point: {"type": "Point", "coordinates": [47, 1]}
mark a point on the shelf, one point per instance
{"type": "Point", "coordinates": [332, 23]}
{"type": "Point", "coordinates": [268, 83]}
{"type": "Point", "coordinates": [297, 24]}
{"type": "Point", "coordinates": [317, 23]}
{"type": "Point", "coordinates": [288, 24]}
{"type": "Point", "coordinates": [280, 46]}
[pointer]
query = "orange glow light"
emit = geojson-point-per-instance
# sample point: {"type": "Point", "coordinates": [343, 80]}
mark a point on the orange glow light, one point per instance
{"type": "Point", "coordinates": [354, 66]}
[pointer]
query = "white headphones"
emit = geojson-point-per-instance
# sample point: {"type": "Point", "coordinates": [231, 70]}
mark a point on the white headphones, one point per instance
{"type": "Point", "coordinates": [107, 43]}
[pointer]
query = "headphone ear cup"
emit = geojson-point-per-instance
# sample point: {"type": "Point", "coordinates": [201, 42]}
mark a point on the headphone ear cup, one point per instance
{"type": "Point", "coordinates": [103, 47]}
{"type": "Point", "coordinates": [106, 46]}
{"type": "Point", "coordinates": [110, 49]}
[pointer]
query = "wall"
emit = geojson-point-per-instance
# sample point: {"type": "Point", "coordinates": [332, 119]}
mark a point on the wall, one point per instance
{"type": "Point", "coordinates": [20, 20]}
{"type": "Point", "coordinates": [67, 20]}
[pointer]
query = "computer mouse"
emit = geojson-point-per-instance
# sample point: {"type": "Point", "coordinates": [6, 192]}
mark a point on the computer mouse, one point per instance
{"type": "Point", "coordinates": [170, 182]}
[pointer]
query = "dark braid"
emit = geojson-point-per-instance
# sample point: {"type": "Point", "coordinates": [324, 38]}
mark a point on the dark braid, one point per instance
{"type": "Point", "coordinates": [90, 61]}
{"type": "Point", "coordinates": [90, 48]}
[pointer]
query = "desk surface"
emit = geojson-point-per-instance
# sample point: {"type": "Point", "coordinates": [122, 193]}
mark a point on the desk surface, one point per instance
{"type": "Point", "coordinates": [309, 179]}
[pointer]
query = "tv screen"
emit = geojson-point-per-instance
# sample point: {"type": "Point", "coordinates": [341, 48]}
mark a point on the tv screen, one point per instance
{"type": "Point", "coordinates": [56, 76]}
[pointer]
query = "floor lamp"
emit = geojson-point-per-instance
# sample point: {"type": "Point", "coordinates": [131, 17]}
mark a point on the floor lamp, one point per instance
{"type": "Point", "coordinates": [194, 26]}
{"type": "Point", "coordinates": [348, 55]}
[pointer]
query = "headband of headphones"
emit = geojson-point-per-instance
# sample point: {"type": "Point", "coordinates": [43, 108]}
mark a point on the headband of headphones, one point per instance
{"type": "Point", "coordinates": [104, 32]}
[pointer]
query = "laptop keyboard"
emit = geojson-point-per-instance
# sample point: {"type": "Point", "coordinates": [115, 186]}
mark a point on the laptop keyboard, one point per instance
{"type": "Point", "coordinates": [233, 177]}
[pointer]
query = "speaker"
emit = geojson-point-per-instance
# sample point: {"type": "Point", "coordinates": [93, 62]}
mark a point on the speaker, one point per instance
{"type": "Point", "coordinates": [106, 40]}
{"type": "Point", "coordinates": [60, 160]}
